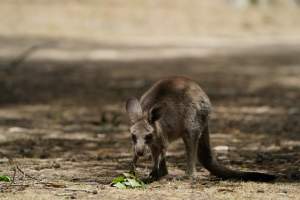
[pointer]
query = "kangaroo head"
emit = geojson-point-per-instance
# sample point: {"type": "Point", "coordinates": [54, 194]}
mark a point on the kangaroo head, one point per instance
{"type": "Point", "coordinates": [142, 125]}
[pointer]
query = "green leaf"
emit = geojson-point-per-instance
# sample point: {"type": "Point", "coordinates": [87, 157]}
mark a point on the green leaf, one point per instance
{"type": "Point", "coordinates": [120, 186]}
{"type": "Point", "coordinates": [134, 183]}
{"type": "Point", "coordinates": [142, 184]}
{"type": "Point", "coordinates": [126, 183]}
{"type": "Point", "coordinates": [5, 178]}
{"type": "Point", "coordinates": [127, 180]}
{"type": "Point", "coordinates": [118, 179]}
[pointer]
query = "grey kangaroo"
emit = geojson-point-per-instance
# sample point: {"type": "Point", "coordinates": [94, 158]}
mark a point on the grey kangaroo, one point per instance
{"type": "Point", "coordinates": [177, 108]}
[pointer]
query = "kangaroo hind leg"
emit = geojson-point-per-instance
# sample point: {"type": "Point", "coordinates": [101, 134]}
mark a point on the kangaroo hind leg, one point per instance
{"type": "Point", "coordinates": [191, 140]}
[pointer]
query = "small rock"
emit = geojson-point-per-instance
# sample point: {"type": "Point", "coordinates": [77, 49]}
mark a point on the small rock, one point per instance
{"type": "Point", "coordinates": [281, 193]}
{"type": "Point", "coordinates": [223, 149]}
{"type": "Point", "coordinates": [102, 187]}
{"type": "Point", "coordinates": [44, 155]}
{"type": "Point", "coordinates": [260, 191]}
{"type": "Point", "coordinates": [225, 190]}
{"type": "Point", "coordinates": [284, 191]}
{"type": "Point", "coordinates": [293, 111]}
{"type": "Point", "coordinates": [56, 165]}
{"type": "Point", "coordinates": [101, 136]}
{"type": "Point", "coordinates": [16, 130]}
{"type": "Point", "coordinates": [95, 192]}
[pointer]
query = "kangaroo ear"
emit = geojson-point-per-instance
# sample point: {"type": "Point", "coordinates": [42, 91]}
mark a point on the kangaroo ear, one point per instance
{"type": "Point", "coordinates": [134, 109]}
{"type": "Point", "coordinates": [155, 113]}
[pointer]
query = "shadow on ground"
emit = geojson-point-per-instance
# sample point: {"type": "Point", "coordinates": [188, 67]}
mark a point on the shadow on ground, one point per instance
{"type": "Point", "coordinates": [255, 98]}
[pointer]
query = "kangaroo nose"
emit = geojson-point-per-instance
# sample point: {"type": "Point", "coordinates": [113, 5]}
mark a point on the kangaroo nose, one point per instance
{"type": "Point", "coordinates": [140, 153]}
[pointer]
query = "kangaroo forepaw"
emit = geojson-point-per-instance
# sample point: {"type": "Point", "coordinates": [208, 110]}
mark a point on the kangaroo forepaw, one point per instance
{"type": "Point", "coordinates": [157, 174]}
{"type": "Point", "coordinates": [154, 175]}
{"type": "Point", "coordinates": [163, 172]}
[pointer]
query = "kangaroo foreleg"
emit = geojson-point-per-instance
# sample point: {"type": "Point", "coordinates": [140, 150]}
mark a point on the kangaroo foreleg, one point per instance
{"type": "Point", "coordinates": [159, 164]}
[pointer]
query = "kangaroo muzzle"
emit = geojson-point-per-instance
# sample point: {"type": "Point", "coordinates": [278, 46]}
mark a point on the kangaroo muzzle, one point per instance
{"type": "Point", "coordinates": [139, 150]}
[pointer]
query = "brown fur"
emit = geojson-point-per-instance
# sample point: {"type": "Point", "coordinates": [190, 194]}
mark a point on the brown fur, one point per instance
{"type": "Point", "coordinates": [176, 108]}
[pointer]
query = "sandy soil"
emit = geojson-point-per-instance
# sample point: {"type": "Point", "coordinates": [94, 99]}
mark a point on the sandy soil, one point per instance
{"type": "Point", "coordinates": [66, 70]}
{"type": "Point", "coordinates": [63, 122]}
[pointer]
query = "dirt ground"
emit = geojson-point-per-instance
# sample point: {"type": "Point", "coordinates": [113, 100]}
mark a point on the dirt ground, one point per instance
{"type": "Point", "coordinates": [62, 118]}
{"type": "Point", "coordinates": [67, 67]}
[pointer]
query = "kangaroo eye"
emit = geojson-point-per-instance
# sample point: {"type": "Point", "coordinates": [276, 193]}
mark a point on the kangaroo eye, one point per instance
{"type": "Point", "coordinates": [148, 138]}
{"type": "Point", "coordinates": [133, 137]}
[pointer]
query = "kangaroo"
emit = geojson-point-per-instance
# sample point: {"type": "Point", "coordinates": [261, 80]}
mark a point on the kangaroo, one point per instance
{"type": "Point", "coordinates": [176, 108]}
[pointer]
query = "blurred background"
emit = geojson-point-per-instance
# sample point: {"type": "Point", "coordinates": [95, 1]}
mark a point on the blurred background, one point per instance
{"type": "Point", "coordinates": [66, 68]}
{"type": "Point", "coordinates": [135, 20]}
{"type": "Point", "coordinates": [51, 42]}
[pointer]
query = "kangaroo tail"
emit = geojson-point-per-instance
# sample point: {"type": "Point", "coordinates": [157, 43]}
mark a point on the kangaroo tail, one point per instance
{"type": "Point", "coordinates": [206, 157]}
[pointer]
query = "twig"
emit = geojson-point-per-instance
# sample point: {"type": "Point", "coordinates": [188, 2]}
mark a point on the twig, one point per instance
{"type": "Point", "coordinates": [55, 185]}
{"type": "Point", "coordinates": [16, 168]}
{"type": "Point", "coordinates": [26, 174]}
{"type": "Point", "coordinates": [81, 190]}
{"type": "Point", "coordinates": [17, 185]}
{"type": "Point", "coordinates": [13, 179]}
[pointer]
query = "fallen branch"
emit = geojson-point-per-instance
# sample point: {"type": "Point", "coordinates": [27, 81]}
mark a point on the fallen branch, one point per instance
{"type": "Point", "coordinates": [81, 190]}
{"type": "Point", "coordinates": [16, 169]}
